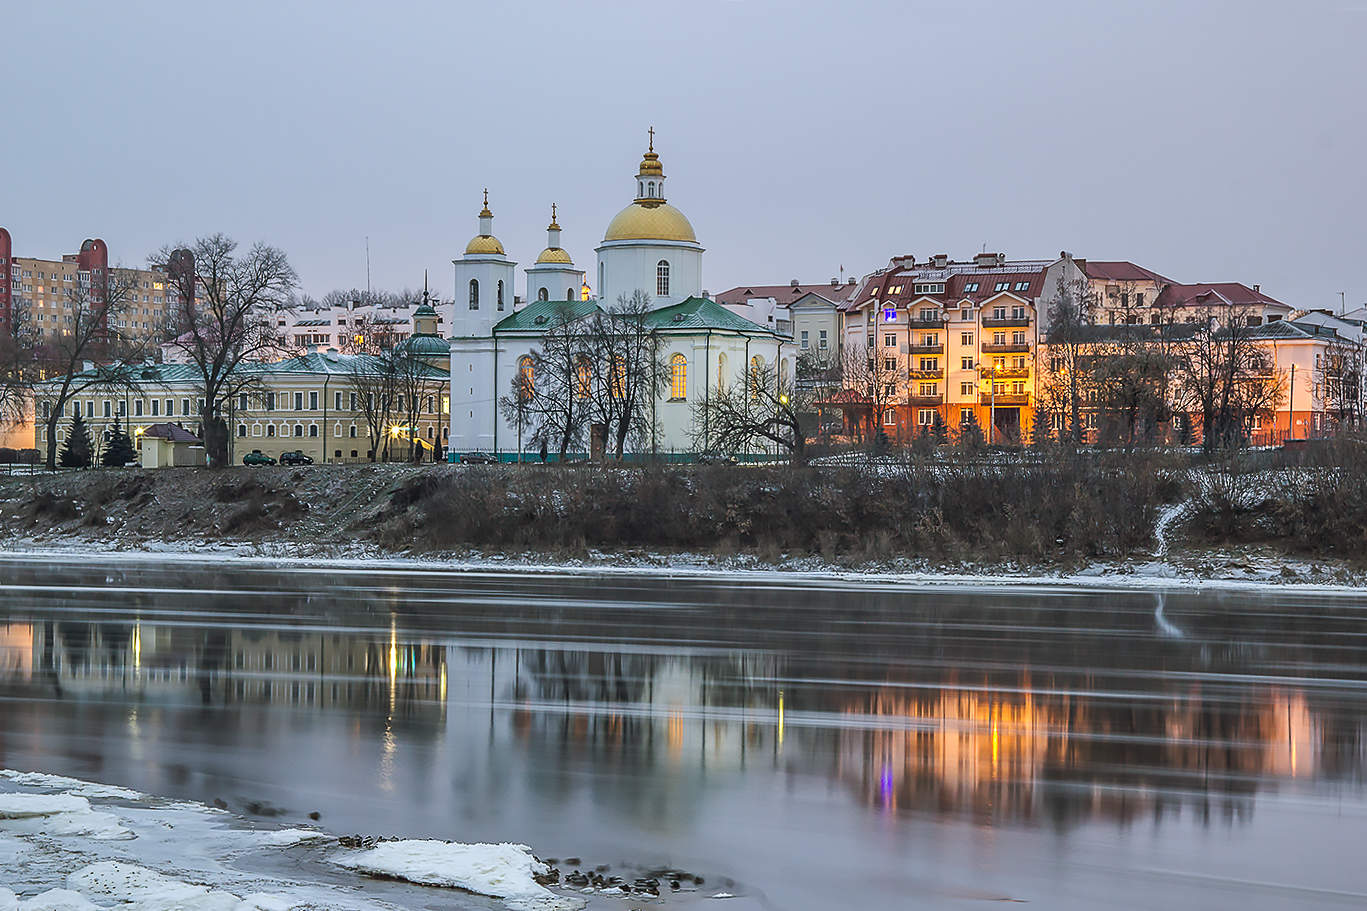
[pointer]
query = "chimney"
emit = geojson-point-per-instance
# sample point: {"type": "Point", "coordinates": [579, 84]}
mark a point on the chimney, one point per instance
{"type": "Point", "coordinates": [1257, 289]}
{"type": "Point", "coordinates": [793, 283]}
{"type": "Point", "coordinates": [940, 260]}
{"type": "Point", "coordinates": [835, 282]}
{"type": "Point", "coordinates": [987, 260]}
{"type": "Point", "coordinates": [706, 295]}
{"type": "Point", "coordinates": [850, 281]}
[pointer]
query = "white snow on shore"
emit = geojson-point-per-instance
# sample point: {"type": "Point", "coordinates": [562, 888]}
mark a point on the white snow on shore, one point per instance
{"type": "Point", "coordinates": [56, 815]}
{"type": "Point", "coordinates": [1266, 575]}
{"type": "Point", "coordinates": [501, 871]}
{"type": "Point", "coordinates": [70, 785]}
{"type": "Point", "coordinates": [285, 837]}
{"type": "Point", "coordinates": [51, 900]}
{"type": "Point", "coordinates": [137, 888]}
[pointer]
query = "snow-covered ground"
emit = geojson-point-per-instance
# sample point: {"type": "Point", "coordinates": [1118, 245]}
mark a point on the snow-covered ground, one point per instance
{"type": "Point", "coordinates": [69, 845]}
{"type": "Point", "coordinates": [1227, 568]}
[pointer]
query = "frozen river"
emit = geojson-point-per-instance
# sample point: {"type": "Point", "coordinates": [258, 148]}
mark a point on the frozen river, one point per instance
{"type": "Point", "coordinates": [798, 744]}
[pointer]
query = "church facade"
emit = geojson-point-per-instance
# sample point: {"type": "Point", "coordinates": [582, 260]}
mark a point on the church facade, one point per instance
{"type": "Point", "coordinates": [648, 247]}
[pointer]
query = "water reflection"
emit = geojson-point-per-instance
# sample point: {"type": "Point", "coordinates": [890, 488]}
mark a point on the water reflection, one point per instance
{"type": "Point", "coordinates": [659, 728]}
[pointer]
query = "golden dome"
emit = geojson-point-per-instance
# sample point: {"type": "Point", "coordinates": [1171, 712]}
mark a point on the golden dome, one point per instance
{"type": "Point", "coordinates": [484, 244]}
{"type": "Point", "coordinates": [554, 255]}
{"type": "Point", "coordinates": [650, 166]}
{"type": "Point", "coordinates": [650, 221]}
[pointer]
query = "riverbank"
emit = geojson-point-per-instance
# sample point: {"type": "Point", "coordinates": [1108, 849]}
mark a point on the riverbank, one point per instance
{"type": "Point", "coordinates": [449, 516]}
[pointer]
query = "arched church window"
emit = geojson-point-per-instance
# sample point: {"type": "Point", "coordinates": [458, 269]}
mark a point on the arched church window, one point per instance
{"type": "Point", "coordinates": [721, 372]}
{"type": "Point", "coordinates": [640, 188]}
{"type": "Point", "coordinates": [650, 189]}
{"type": "Point", "coordinates": [678, 378]}
{"type": "Point", "coordinates": [526, 371]}
{"type": "Point", "coordinates": [569, 294]}
{"type": "Point", "coordinates": [756, 376]}
{"type": "Point", "coordinates": [583, 376]}
{"type": "Point", "coordinates": [662, 278]}
{"type": "Point", "coordinates": [500, 294]}
{"type": "Point", "coordinates": [542, 295]}
{"type": "Point", "coordinates": [474, 294]}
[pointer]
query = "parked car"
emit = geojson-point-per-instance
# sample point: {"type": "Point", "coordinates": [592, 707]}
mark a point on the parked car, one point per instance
{"type": "Point", "coordinates": [478, 458]}
{"type": "Point", "coordinates": [295, 458]}
{"type": "Point", "coordinates": [257, 457]}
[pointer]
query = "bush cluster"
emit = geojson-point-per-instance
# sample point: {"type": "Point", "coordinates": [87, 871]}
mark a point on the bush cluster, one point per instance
{"type": "Point", "coordinates": [1048, 509]}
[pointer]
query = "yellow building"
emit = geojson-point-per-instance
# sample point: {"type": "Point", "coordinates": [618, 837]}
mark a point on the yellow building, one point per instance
{"type": "Point", "coordinates": [309, 404]}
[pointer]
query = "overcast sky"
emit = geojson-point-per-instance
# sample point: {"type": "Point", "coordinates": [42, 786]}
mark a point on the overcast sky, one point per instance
{"type": "Point", "coordinates": [1211, 141]}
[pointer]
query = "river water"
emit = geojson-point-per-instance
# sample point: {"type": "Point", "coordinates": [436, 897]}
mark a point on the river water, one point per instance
{"type": "Point", "coordinates": [801, 744]}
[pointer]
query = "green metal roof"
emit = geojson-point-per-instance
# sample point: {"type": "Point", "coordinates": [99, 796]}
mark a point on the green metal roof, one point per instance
{"type": "Point", "coordinates": [424, 345]}
{"type": "Point", "coordinates": [541, 315]}
{"type": "Point", "coordinates": [703, 313]}
{"type": "Point", "coordinates": [312, 364]}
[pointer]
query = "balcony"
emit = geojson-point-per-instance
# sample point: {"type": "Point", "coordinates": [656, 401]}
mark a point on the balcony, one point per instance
{"type": "Point", "coordinates": [927, 323]}
{"type": "Point", "coordinates": [927, 374]}
{"type": "Point", "coordinates": [925, 400]}
{"type": "Point", "coordinates": [1013, 322]}
{"type": "Point", "coordinates": [1009, 373]}
{"type": "Point", "coordinates": [1004, 399]}
{"type": "Point", "coordinates": [923, 349]}
{"type": "Point", "coordinates": [1008, 348]}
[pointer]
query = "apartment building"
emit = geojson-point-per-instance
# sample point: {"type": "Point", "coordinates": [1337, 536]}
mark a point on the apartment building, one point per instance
{"type": "Point", "coordinates": [950, 341]}
{"type": "Point", "coordinates": [815, 313]}
{"type": "Point", "coordinates": [307, 403]}
{"type": "Point", "coordinates": [45, 291]}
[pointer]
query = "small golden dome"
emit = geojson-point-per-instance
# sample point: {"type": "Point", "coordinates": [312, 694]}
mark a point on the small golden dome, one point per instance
{"type": "Point", "coordinates": [554, 255]}
{"type": "Point", "coordinates": [650, 166]}
{"type": "Point", "coordinates": [650, 221]}
{"type": "Point", "coordinates": [484, 244]}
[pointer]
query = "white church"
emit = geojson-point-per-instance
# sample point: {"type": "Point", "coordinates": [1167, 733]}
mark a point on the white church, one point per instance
{"type": "Point", "coordinates": [648, 246]}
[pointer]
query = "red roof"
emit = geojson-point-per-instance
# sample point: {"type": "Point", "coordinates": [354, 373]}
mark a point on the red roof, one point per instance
{"type": "Point", "coordinates": [784, 294]}
{"type": "Point", "coordinates": [1211, 293]}
{"type": "Point", "coordinates": [1121, 272]}
{"type": "Point", "coordinates": [899, 287]}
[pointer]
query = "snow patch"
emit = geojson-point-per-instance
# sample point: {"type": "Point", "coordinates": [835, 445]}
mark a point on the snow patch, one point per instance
{"type": "Point", "coordinates": [51, 900]}
{"type": "Point", "coordinates": [501, 871]}
{"type": "Point", "coordinates": [140, 889]}
{"type": "Point", "coordinates": [286, 837]}
{"type": "Point", "coordinates": [56, 815]}
{"type": "Point", "coordinates": [71, 785]}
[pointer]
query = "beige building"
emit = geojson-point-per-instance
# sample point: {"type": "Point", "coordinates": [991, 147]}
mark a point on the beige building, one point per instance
{"type": "Point", "coordinates": [46, 290]}
{"type": "Point", "coordinates": [308, 403]}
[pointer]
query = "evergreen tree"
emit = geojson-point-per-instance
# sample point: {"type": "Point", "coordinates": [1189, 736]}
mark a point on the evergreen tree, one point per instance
{"type": "Point", "coordinates": [970, 434]}
{"type": "Point", "coordinates": [77, 451]}
{"type": "Point", "coordinates": [938, 431]}
{"type": "Point", "coordinates": [119, 450]}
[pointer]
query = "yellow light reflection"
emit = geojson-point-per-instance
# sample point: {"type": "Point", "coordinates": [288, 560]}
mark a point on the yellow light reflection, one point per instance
{"type": "Point", "coordinates": [780, 718]}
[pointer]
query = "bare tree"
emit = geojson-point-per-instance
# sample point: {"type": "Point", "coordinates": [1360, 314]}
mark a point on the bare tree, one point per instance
{"type": "Point", "coordinates": [419, 389]}
{"type": "Point", "coordinates": [1223, 374]}
{"type": "Point", "coordinates": [518, 405]}
{"type": "Point", "coordinates": [1071, 336]}
{"type": "Point", "coordinates": [1338, 381]}
{"type": "Point", "coordinates": [873, 376]}
{"type": "Point", "coordinates": [564, 377]}
{"type": "Point", "coordinates": [18, 364]}
{"type": "Point", "coordinates": [374, 382]}
{"type": "Point", "coordinates": [95, 307]}
{"type": "Point", "coordinates": [225, 319]}
{"type": "Point", "coordinates": [764, 409]}
{"type": "Point", "coordinates": [629, 375]}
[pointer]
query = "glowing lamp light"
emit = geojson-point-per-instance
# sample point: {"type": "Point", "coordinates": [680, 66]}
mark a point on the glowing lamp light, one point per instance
{"type": "Point", "coordinates": [783, 400]}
